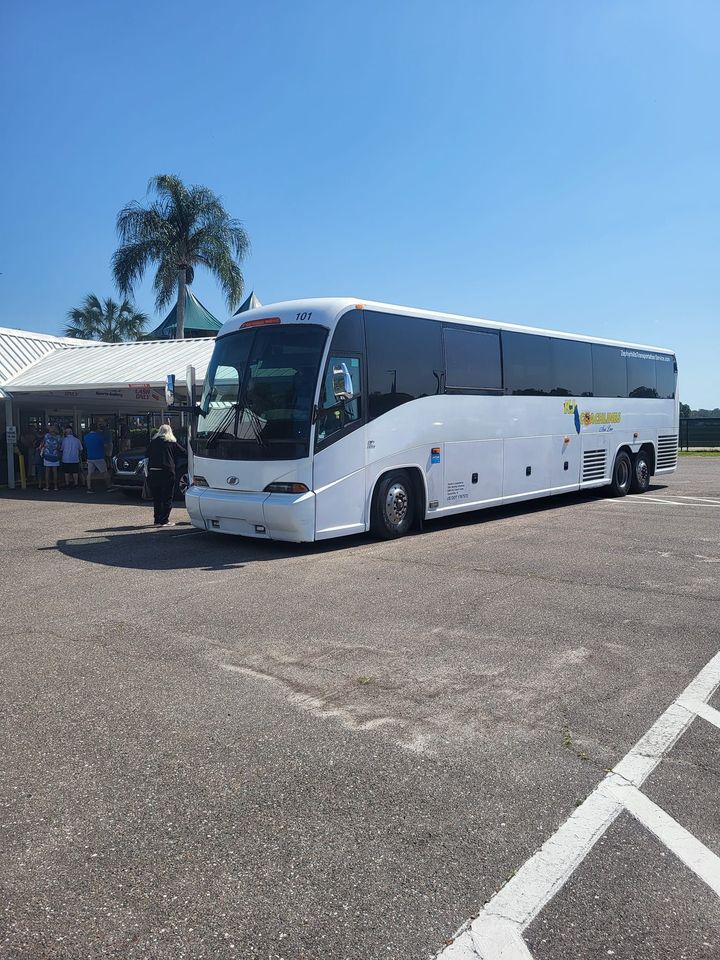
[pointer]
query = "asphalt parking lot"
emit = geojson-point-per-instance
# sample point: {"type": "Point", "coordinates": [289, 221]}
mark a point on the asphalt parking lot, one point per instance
{"type": "Point", "coordinates": [216, 748]}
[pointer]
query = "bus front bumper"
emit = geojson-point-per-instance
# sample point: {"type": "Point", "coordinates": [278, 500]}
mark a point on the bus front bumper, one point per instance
{"type": "Point", "coordinates": [265, 516]}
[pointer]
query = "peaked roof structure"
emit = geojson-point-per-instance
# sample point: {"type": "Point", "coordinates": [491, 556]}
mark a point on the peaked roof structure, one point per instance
{"type": "Point", "coordinates": [250, 303]}
{"type": "Point", "coordinates": [19, 349]}
{"type": "Point", "coordinates": [199, 322]}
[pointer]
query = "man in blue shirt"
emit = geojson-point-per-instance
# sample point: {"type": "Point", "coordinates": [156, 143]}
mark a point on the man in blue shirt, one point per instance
{"type": "Point", "coordinates": [95, 450]}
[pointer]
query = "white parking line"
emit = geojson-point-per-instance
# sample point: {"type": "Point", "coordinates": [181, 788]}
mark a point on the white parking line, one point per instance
{"type": "Point", "coordinates": [496, 933]}
{"type": "Point", "coordinates": [682, 502]}
{"type": "Point", "coordinates": [714, 500]}
{"type": "Point", "coordinates": [677, 503]}
{"type": "Point", "coordinates": [704, 710]}
{"type": "Point", "coordinates": [694, 854]}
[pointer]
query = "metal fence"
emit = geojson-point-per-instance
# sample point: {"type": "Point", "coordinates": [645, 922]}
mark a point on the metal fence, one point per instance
{"type": "Point", "coordinates": [699, 432]}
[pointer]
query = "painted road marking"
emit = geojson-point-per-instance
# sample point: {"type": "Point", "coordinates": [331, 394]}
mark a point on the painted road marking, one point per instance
{"type": "Point", "coordinates": [694, 854]}
{"type": "Point", "coordinates": [644, 498]}
{"type": "Point", "coordinates": [714, 500]}
{"type": "Point", "coordinates": [677, 503]}
{"type": "Point", "coordinates": [496, 933]}
{"type": "Point", "coordinates": [703, 710]}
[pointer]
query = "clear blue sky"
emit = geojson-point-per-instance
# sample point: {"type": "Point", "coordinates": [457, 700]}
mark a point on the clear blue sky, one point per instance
{"type": "Point", "coordinates": [550, 163]}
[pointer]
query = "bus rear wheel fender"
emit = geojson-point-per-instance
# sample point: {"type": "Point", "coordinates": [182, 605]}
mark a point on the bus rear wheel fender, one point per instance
{"type": "Point", "coordinates": [396, 503]}
{"type": "Point", "coordinates": [622, 473]}
{"type": "Point", "coordinates": [642, 470]}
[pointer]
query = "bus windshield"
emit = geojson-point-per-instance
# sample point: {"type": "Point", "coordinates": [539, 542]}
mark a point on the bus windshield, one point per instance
{"type": "Point", "coordinates": [259, 391]}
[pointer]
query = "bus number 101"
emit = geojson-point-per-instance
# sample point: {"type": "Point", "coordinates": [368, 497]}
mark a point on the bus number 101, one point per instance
{"type": "Point", "coordinates": [303, 316]}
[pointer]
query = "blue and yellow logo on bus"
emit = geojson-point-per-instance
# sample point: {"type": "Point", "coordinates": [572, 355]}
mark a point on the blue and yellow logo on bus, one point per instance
{"type": "Point", "coordinates": [587, 419]}
{"type": "Point", "coordinates": [572, 408]}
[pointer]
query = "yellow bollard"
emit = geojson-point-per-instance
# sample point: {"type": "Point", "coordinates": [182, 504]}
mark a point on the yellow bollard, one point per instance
{"type": "Point", "coordinates": [21, 465]}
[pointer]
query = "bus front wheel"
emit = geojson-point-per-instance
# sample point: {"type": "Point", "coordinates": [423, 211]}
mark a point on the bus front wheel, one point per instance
{"type": "Point", "coordinates": [393, 506]}
{"type": "Point", "coordinates": [621, 475]}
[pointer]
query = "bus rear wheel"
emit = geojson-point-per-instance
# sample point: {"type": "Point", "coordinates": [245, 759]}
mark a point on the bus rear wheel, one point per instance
{"type": "Point", "coordinates": [640, 473]}
{"type": "Point", "coordinates": [393, 506]}
{"type": "Point", "coordinates": [621, 475]}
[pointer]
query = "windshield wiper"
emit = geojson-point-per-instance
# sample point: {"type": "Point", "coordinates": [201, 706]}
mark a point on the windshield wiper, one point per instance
{"type": "Point", "coordinates": [224, 423]}
{"type": "Point", "coordinates": [257, 430]}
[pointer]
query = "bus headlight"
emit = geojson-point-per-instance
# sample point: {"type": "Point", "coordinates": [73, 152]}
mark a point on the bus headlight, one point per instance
{"type": "Point", "coordinates": [285, 488]}
{"type": "Point", "coordinates": [199, 481]}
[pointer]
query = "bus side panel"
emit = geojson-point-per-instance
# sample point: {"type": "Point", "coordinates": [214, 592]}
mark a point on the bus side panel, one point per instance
{"type": "Point", "coordinates": [473, 473]}
{"type": "Point", "coordinates": [565, 462]}
{"type": "Point", "coordinates": [527, 466]}
{"type": "Point", "coordinates": [339, 485]}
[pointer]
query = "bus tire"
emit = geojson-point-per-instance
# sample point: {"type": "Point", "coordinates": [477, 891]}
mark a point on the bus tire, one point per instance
{"type": "Point", "coordinates": [621, 475]}
{"type": "Point", "coordinates": [640, 473]}
{"type": "Point", "coordinates": [393, 506]}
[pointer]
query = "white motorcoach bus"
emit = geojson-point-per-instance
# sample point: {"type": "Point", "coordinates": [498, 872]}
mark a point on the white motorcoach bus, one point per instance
{"type": "Point", "coordinates": [321, 418]}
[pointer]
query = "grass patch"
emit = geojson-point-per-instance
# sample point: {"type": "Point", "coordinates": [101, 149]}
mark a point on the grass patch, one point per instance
{"type": "Point", "coordinates": [699, 453]}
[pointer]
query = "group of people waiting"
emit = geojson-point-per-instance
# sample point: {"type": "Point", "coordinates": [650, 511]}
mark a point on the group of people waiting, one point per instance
{"type": "Point", "coordinates": [57, 455]}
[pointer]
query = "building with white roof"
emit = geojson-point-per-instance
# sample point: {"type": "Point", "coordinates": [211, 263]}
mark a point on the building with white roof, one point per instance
{"type": "Point", "coordinates": [46, 379]}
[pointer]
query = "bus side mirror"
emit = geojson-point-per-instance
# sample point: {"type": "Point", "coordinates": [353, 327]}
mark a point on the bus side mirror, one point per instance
{"type": "Point", "coordinates": [342, 382]}
{"type": "Point", "coordinates": [170, 390]}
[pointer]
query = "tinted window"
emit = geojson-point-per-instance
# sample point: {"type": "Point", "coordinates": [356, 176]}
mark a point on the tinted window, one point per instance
{"type": "Point", "coordinates": [259, 393]}
{"type": "Point", "coordinates": [571, 368]}
{"type": "Point", "coordinates": [348, 336]}
{"type": "Point", "coordinates": [404, 360]}
{"type": "Point", "coordinates": [609, 371]}
{"type": "Point", "coordinates": [526, 361]}
{"type": "Point", "coordinates": [346, 348]}
{"type": "Point", "coordinates": [640, 374]}
{"type": "Point", "coordinates": [665, 376]}
{"type": "Point", "coordinates": [472, 359]}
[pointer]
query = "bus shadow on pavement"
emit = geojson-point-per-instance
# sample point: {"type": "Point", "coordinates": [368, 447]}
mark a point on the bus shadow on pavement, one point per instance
{"type": "Point", "coordinates": [182, 547]}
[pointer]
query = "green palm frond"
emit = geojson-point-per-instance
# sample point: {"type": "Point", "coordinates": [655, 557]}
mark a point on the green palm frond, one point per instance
{"type": "Point", "coordinates": [108, 321]}
{"type": "Point", "coordinates": [182, 228]}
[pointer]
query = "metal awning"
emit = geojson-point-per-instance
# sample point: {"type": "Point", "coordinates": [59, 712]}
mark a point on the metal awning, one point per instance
{"type": "Point", "coordinates": [137, 366]}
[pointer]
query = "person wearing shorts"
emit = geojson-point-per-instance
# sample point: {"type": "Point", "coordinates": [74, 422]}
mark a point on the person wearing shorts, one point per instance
{"type": "Point", "coordinates": [95, 450]}
{"type": "Point", "coordinates": [51, 457]}
{"type": "Point", "coordinates": [70, 457]}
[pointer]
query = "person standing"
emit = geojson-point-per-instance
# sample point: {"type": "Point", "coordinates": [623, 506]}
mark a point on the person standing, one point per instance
{"type": "Point", "coordinates": [95, 451]}
{"type": "Point", "coordinates": [51, 457]}
{"type": "Point", "coordinates": [161, 454]}
{"type": "Point", "coordinates": [70, 457]}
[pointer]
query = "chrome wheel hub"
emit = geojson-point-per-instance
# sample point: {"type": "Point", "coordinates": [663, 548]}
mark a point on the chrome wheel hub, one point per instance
{"type": "Point", "coordinates": [396, 503]}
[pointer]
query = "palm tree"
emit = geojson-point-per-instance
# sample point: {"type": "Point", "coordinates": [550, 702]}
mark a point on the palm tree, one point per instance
{"type": "Point", "coordinates": [105, 320]}
{"type": "Point", "coordinates": [184, 227]}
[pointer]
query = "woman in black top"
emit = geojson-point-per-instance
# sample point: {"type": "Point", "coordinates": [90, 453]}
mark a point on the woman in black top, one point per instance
{"type": "Point", "coordinates": [161, 453]}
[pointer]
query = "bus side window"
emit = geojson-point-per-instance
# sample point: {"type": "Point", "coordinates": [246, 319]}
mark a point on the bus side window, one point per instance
{"type": "Point", "coordinates": [472, 360]}
{"type": "Point", "coordinates": [642, 378]}
{"type": "Point", "coordinates": [665, 376]}
{"type": "Point", "coordinates": [338, 416]}
{"type": "Point", "coordinates": [609, 371]}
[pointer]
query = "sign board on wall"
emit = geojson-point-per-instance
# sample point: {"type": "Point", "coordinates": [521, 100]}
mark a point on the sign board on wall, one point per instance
{"type": "Point", "coordinates": [11, 434]}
